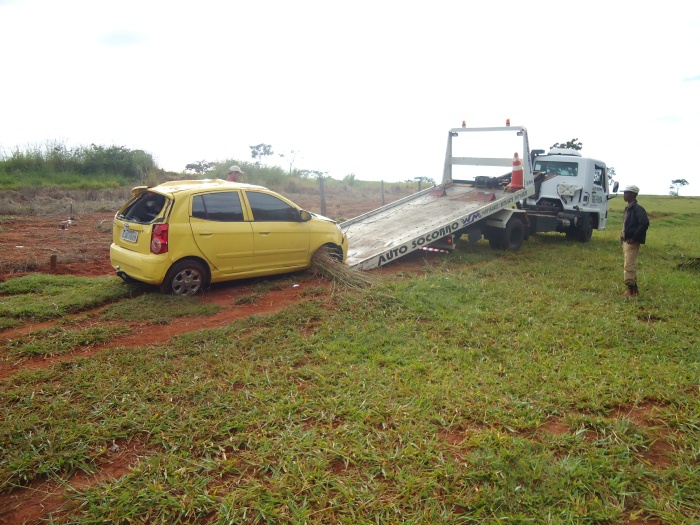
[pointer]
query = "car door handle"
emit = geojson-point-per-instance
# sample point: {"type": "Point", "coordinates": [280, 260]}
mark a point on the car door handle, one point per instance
{"type": "Point", "coordinates": [206, 233]}
{"type": "Point", "coordinates": [264, 233]}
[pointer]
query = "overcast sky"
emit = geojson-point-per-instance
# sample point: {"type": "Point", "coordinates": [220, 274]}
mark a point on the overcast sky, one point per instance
{"type": "Point", "coordinates": [363, 87]}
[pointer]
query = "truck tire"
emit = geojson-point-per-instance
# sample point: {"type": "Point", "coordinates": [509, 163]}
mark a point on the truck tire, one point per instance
{"type": "Point", "coordinates": [583, 231]}
{"type": "Point", "coordinates": [510, 238]}
{"type": "Point", "coordinates": [185, 278]}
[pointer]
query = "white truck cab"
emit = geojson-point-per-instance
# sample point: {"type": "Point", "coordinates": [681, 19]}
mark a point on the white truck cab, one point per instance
{"type": "Point", "coordinates": [576, 186]}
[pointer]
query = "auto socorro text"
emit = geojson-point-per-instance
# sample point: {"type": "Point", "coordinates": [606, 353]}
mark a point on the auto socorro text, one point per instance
{"type": "Point", "coordinates": [423, 240]}
{"type": "Point", "coordinates": [417, 243]}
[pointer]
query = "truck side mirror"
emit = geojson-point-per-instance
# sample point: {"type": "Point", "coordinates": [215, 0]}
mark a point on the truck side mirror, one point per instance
{"type": "Point", "coordinates": [616, 186]}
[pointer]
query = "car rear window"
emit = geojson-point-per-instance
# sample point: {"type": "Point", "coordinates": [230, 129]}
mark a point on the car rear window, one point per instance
{"type": "Point", "coordinates": [144, 208]}
{"type": "Point", "coordinates": [221, 207]}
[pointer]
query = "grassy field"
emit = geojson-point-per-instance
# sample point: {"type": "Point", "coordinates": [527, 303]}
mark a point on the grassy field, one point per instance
{"type": "Point", "coordinates": [491, 388]}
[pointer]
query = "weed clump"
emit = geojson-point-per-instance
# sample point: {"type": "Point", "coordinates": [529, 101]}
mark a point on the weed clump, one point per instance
{"type": "Point", "coordinates": [327, 265]}
{"type": "Point", "coordinates": [692, 263]}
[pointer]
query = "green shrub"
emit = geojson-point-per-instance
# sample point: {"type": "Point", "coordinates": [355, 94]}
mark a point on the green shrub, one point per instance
{"type": "Point", "coordinates": [45, 165]}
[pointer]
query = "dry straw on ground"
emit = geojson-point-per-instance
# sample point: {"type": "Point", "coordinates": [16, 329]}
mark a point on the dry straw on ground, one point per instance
{"type": "Point", "coordinates": [327, 266]}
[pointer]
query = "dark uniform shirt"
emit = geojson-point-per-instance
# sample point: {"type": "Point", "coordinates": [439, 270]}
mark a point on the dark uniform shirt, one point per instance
{"type": "Point", "coordinates": [635, 223]}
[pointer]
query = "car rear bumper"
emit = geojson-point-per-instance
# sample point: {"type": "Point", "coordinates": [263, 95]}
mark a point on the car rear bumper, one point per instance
{"type": "Point", "coordinates": [147, 268]}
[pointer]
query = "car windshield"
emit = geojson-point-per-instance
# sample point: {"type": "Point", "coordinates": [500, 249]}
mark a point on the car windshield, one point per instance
{"type": "Point", "coordinates": [144, 208]}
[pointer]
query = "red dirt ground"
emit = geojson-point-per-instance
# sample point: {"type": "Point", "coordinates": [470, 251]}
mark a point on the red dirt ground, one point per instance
{"type": "Point", "coordinates": [81, 247]}
{"type": "Point", "coordinates": [27, 246]}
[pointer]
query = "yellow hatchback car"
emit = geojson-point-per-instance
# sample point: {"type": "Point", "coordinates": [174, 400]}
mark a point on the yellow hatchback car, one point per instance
{"type": "Point", "coordinates": [184, 235]}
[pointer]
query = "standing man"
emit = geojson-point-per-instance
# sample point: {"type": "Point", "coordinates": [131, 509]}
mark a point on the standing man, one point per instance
{"type": "Point", "coordinates": [234, 174]}
{"type": "Point", "coordinates": [634, 234]}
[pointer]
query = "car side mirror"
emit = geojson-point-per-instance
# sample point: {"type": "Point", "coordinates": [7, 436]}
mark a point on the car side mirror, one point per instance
{"type": "Point", "coordinates": [305, 216]}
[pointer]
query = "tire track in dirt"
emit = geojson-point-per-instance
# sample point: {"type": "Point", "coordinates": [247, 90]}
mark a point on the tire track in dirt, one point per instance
{"type": "Point", "coordinates": [145, 333]}
{"type": "Point", "coordinates": [223, 294]}
{"type": "Point", "coordinates": [34, 503]}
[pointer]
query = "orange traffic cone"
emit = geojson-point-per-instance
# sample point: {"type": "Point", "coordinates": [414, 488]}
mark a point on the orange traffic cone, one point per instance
{"type": "Point", "coordinates": [516, 179]}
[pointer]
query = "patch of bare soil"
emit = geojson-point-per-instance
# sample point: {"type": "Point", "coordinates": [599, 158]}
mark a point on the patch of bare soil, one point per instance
{"type": "Point", "coordinates": [78, 247]}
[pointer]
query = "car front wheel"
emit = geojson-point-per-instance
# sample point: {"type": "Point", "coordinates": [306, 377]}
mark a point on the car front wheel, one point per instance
{"type": "Point", "coordinates": [184, 278]}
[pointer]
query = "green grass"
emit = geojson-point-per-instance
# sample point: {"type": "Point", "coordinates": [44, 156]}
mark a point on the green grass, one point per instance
{"type": "Point", "coordinates": [157, 309]}
{"type": "Point", "coordinates": [76, 181]}
{"type": "Point", "coordinates": [424, 399]}
{"type": "Point", "coordinates": [60, 340]}
{"type": "Point", "coordinates": [42, 296]}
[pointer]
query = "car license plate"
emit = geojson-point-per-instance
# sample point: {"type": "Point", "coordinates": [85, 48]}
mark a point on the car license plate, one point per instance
{"type": "Point", "coordinates": [130, 235]}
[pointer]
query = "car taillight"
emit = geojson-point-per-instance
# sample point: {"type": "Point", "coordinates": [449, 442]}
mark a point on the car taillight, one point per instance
{"type": "Point", "coordinates": [159, 239]}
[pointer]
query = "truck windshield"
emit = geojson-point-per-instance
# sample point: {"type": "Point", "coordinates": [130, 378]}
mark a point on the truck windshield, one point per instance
{"type": "Point", "coordinates": [551, 167]}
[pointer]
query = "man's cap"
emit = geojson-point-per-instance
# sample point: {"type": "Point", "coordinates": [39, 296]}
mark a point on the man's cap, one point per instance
{"type": "Point", "coordinates": [632, 188]}
{"type": "Point", "coordinates": [235, 169]}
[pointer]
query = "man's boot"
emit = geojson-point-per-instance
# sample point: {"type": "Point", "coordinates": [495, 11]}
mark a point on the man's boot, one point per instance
{"type": "Point", "coordinates": [630, 291]}
{"type": "Point", "coordinates": [635, 290]}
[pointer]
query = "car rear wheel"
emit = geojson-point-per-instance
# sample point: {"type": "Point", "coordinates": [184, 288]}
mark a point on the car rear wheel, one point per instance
{"type": "Point", "coordinates": [184, 278]}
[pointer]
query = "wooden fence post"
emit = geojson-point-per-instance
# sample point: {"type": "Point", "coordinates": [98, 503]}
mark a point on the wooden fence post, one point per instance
{"type": "Point", "coordinates": [322, 189]}
{"type": "Point", "coordinates": [382, 193]}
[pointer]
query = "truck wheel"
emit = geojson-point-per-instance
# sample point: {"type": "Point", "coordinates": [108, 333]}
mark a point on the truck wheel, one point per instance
{"type": "Point", "coordinates": [583, 231]}
{"type": "Point", "coordinates": [510, 238]}
{"type": "Point", "coordinates": [184, 278]}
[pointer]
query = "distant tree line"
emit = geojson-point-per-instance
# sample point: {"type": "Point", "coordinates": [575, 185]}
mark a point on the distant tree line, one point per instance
{"type": "Point", "coordinates": [83, 160]}
{"type": "Point", "coordinates": [259, 153]}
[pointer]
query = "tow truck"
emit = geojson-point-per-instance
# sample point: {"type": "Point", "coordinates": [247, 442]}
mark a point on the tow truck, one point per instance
{"type": "Point", "coordinates": [558, 191]}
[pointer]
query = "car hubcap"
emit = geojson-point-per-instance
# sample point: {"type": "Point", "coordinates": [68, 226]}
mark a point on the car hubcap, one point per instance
{"type": "Point", "coordinates": [187, 282]}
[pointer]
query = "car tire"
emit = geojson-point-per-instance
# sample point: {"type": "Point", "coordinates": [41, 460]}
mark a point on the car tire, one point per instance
{"type": "Point", "coordinates": [185, 278]}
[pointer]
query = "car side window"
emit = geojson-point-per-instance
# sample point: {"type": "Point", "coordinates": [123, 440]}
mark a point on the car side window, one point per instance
{"type": "Point", "coordinates": [269, 208]}
{"type": "Point", "coordinates": [220, 207]}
